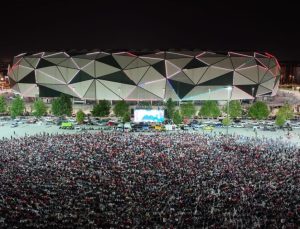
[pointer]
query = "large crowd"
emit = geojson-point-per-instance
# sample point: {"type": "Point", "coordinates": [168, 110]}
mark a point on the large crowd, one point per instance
{"type": "Point", "coordinates": [125, 180]}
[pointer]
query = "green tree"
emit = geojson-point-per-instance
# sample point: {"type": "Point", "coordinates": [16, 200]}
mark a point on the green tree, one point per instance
{"type": "Point", "coordinates": [80, 115]}
{"type": "Point", "coordinates": [170, 108]}
{"type": "Point", "coordinates": [235, 108]}
{"type": "Point", "coordinates": [3, 105]}
{"type": "Point", "coordinates": [286, 111]}
{"type": "Point", "coordinates": [101, 109]}
{"type": "Point", "coordinates": [259, 110]}
{"type": "Point", "coordinates": [280, 120]}
{"type": "Point", "coordinates": [62, 105]}
{"type": "Point", "coordinates": [39, 108]}
{"type": "Point", "coordinates": [126, 117]}
{"type": "Point", "coordinates": [177, 119]}
{"type": "Point", "coordinates": [66, 105]}
{"type": "Point", "coordinates": [55, 107]}
{"type": "Point", "coordinates": [187, 109]}
{"type": "Point", "coordinates": [210, 109]}
{"type": "Point", "coordinates": [121, 108]}
{"type": "Point", "coordinates": [226, 121]}
{"type": "Point", "coordinates": [17, 107]}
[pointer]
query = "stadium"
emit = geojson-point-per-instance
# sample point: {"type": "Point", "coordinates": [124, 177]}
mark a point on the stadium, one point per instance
{"type": "Point", "coordinates": [151, 76]}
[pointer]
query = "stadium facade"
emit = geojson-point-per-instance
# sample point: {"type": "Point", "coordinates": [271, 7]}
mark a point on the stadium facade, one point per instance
{"type": "Point", "coordinates": [184, 75]}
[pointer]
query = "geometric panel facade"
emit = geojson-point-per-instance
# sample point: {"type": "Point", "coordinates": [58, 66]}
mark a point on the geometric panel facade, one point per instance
{"type": "Point", "coordinates": [151, 75]}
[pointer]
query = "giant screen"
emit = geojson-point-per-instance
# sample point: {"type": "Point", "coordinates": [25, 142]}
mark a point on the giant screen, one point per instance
{"type": "Point", "coordinates": [143, 115]}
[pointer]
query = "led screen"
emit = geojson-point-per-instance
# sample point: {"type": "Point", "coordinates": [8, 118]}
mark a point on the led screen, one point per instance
{"type": "Point", "coordinates": [142, 115]}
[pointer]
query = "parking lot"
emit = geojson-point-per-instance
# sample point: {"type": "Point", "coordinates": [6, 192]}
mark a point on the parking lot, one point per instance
{"type": "Point", "coordinates": [7, 131]}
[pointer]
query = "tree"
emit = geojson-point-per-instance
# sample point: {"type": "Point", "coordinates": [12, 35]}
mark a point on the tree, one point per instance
{"type": "Point", "coordinates": [170, 108]}
{"type": "Point", "coordinates": [66, 105]}
{"type": "Point", "coordinates": [126, 117]}
{"type": "Point", "coordinates": [177, 119]}
{"type": "Point", "coordinates": [80, 116]}
{"type": "Point", "coordinates": [187, 109]}
{"type": "Point", "coordinates": [39, 108]}
{"type": "Point", "coordinates": [259, 110]}
{"type": "Point", "coordinates": [210, 109]}
{"type": "Point", "coordinates": [3, 105]}
{"type": "Point", "coordinates": [226, 121]}
{"type": "Point", "coordinates": [280, 120]}
{"type": "Point", "coordinates": [62, 105]}
{"type": "Point", "coordinates": [55, 107]}
{"type": "Point", "coordinates": [101, 109]}
{"type": "Point", "coordinates": [121, 108]}
{"type": "Point", "coordinates": [235, 108]}
{"type": "Point", "coordinates": [17, 107]}
{"type": "Point", "coordinates": [286, 111]}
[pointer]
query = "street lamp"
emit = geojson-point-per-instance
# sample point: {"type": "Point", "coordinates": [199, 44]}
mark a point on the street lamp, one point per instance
{"type": "Point", "coordinates": [252, 94]}
{"type": "Point", "coordinates": [229, 88]}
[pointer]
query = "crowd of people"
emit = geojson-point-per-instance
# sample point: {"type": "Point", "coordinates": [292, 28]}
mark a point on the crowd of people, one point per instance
{"type": "Point", "coordinates": [127, 180]}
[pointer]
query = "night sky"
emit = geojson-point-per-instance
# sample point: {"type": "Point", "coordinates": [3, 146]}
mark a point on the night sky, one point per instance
{"type": "Point", "coordinates": [206, 25]}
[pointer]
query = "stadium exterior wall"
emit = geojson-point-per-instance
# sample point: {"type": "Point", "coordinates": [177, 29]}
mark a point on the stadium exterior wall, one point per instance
{"type": "Point", "coordinates": [182, 76]}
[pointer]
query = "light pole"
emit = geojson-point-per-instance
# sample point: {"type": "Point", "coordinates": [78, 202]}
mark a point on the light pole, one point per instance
{"type": "Point", "coordinates": [252, 94]}
{"type": "Point", "coordinates": [229, 90]}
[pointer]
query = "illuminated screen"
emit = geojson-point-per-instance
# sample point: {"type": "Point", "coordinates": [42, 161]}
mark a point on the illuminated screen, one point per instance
{"type": "Point", "coordinates": [141, 115]}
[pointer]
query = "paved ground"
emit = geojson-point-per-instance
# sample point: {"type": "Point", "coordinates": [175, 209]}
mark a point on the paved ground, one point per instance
{"type": "Point", "coordinates": [32, 129]}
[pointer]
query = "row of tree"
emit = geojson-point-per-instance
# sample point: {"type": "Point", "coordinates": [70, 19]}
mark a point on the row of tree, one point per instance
{"type": "Point", "coordinates": [209, 109]}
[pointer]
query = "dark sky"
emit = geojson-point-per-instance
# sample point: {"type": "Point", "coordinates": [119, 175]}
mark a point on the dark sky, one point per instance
{"type": "Point", "coordinates": [29, 26]}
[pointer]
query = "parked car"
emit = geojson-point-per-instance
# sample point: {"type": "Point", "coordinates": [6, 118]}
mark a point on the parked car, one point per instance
{"type": "Point", "coordinates": [208, 128]}
{"type": "Point", "coordinates": [14, 124]}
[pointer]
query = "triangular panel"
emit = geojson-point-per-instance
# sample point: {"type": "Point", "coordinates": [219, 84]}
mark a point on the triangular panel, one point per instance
{"type": "Point", "coordinates": [89, 68]}
{"type": "Point", "coordinates": [180, 63]}
{"type": "Point", "coordinates": [81, 76]}
{"type": "Point", "coordinates": [239, 79]}
{"type": "Point", "coordinates": [137, 63]}
{"type": "Point", "coordinates": [180, 88]}
{"type": "Point", "coordinates": [82, 62]}
{"type": "Point", "coordinates": [226, 79]}
{"type": "Point", "coordinates": [123, 60]}
{"type": "Point", "coordinates": [212, 73]}
{"type": "Point", "coordinates": [157, 87]}
{"type": "Point", "coordinates": [104, 69]}
{"type": "Point", "coordinates": [81, 87]}
{"type": "Point", "coordinates": [43, 78]}
{"type": "Point", "coordinates": [61, 88]}
{"type": "Point", "coordinates": [102, 92]}
{"type": "Point", "coordinates": [170, 92]}
{"type": "Point", "coordinates": [119, 77]}
{"type": "Point", "coordinates": [32, 61]}
{"type": "Point", "coordinates": [239, 61]}
{"type": "Point", "coordinates": [250, 72]}
{"type": "Point", "coordinates": [171, 69]}
{"type": "Point", "coordinates": [69, 63]}
{"type": "Point", "coordinates": [239, 94]}
{"type": "Point", "coordinates": [53, 72]}
{"type": "Point", "coordinates": [151, 75]}
{"type": "Point", "coordinates": [135, 74]}
{"type": "Point", "coordinates": [68, 73]}
{"type": "Point", "coordinates": [91, 91]}
{"type": "Point", "coordinates": [195, 74]}
{"type": "Point", "coordinates": [262, 90]}
{"type": "Point", "coordinates": [44, 63]}
{"type": "Point", "coordinates": [30, 78]}
{"type": "Point", "coordinates": [122, 90]}
{"type": "Point", "coordinates": [181, 77]}
{"type": "Point", "coordinates": [269, 84]}
{"type": "Point", "coordinates": [160, 67]}
{"type": "Point", "coordinates": [141, 94]}
{"type": "Point", "coordinates": [22, 72]}
{"type": "Point", "coordinates": [110, 61]}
